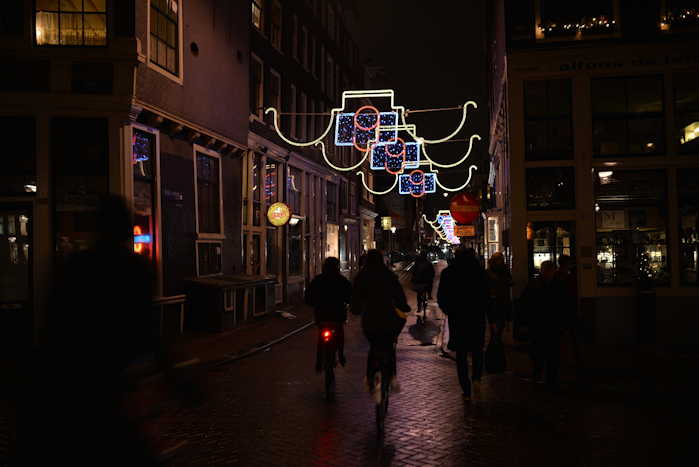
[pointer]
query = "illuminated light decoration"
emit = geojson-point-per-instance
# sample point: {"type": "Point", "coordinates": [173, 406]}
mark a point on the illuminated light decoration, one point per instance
{"type": "Point", "coordinates": [139, 239]}
{"type": "Point", "coordinates": [417, 183]}
{"type": "Point", "coordinates": [372, 191]}
{"type": "Point", "coordinates": [443, 225]}
{"type": "Point", "coordinates": [470, 174]}
{"type": "Point", "coordinates": [278, 214]}
{"type": "Point", "coordinates": [375, 132]}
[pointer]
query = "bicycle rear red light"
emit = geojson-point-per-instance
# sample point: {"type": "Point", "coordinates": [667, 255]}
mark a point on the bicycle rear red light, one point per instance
{"type": "Point", "coordinates": [326, 335]}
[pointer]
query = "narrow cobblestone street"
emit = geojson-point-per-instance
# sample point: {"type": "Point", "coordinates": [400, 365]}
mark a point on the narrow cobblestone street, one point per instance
{"type": "Point", "coordinates": [269, 409]}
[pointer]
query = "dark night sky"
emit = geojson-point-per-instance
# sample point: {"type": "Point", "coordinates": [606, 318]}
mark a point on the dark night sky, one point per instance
{"type": "Point", "coordinates": [434, 56]}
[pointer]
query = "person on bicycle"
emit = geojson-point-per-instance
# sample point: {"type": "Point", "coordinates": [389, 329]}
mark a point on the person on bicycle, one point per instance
{"type": "Point", "coordinates": [379, 298]}
{"type": "Point", "coordinates": [329, 293]}
{"type": "Point", "coordinates": [423, 275]}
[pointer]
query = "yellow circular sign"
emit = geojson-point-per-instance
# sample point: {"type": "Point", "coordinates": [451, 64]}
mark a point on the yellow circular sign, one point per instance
{"type": "Point", "coordinates": [278, 214]}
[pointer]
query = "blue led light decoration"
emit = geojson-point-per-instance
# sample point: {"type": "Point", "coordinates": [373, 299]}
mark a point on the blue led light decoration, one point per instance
{"type": "Point", "coordinates": [443, 225]}
{"type": "Point", "coordinates": [385, 138]}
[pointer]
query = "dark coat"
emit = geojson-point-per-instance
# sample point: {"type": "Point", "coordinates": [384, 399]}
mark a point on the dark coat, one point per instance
{"type": "Point", "coordinates": [500, 307]}
{"type": "Point", "coordinates": [463, 297]}
{"type": "Point", "coordinates": [423, 273]}
{"type": "Point", "coordinates": [376, 295]}
{"type": "Point", "coordinates": [544, 307]}
{"type": "Point", "coordinates": [329, 294]}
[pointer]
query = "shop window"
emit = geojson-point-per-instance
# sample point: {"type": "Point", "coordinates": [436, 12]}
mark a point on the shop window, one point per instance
{"type": "Point", "coordinates": [687, 112]}
{"type": "Point", "coordinates": [144, 162]}
{"type": "Point", "coordinates": [79, 162]}
{"type": "Point", "coordinates": [255, 188]}
{"type": "Point", "coordinates": [71, 22]}
{"type": "Point", "coordinates": [257, 16]}
{"type": "Point", "coordinates": [631, 227]}
{"type": "Point", "coordinates": [688, 197]}
{"type": "Point", "coordinates": [208, 188]}
{"type": "Point", "coordinates": [295, 248]}
{"type": "Point", "coordinates": [550, 188]}
{"type": "Point", "coordinates": [548, 133]}
{"type": "Point", "coordinates": [256, 87]}
{"type": "Point", "coordinates": [331, 201]}
{"type": "Point", "coordinates": [164, 35]}
{"type": "Point", "coordinates": [294, 184]}
{"type": "Point", "coordinates": [18, 174]}
{"type": "Point", "coordinates": [628, 116]}
{"type": "Point", "coordinates": [208, 258]}
{"type": "Point", "coordinates": [547, 241]}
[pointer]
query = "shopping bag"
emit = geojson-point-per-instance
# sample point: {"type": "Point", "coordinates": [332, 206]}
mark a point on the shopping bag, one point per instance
{"type": "Point", "coordinates": [495, 361]}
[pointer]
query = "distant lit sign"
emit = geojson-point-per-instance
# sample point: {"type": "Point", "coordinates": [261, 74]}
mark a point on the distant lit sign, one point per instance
{"type": "Point", "coordinates": [278, 214]}
{"type": "Point", "coordinates": [464, 231]}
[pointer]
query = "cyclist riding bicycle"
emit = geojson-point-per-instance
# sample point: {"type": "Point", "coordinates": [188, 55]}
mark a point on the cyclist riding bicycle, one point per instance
{"type": "Point", "coordinates": [422, 278]}
{"type": "Point", "coordinates": [379, 298]}
{"type": "Point", "coordinates": [330, 293]}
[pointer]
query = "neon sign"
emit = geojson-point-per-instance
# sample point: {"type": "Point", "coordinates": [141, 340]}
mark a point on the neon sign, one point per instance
{"type": "Point", "coordinates": [443, 225]}
{"type": "Point", "coordinates": [390, 143]}
{"type": "Point", "coordinates": [139, 239]}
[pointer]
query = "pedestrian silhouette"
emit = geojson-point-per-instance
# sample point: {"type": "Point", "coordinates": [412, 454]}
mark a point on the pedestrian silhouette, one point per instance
{"type": "Point", "coordinates": [463, 297]}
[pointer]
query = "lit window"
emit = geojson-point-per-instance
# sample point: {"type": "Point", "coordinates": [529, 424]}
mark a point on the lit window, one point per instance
{"type": "Point", "coordinates": [257, 18]}
{"type": "Point", "coordinates": [164, 34]}
{"type": "Point", "coordinates": [71, 22]}
{"type": "Point", "coordinates": [208, 183]}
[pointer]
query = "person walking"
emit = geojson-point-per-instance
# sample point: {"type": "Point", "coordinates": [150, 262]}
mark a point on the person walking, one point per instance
{"type": "Point", "coordinates": [463, 296]}
{"type": "Point", "coordinates": [500, 285]}
{"type": "Point", "coordinates": [329, 293]}
{"type": "Point", "coordinates": [377, 296]}
{"type": "Point", "coordinates": [544, 308]}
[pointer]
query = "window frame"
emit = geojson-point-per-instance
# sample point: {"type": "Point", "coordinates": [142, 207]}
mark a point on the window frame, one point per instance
{"type": "Point", "coordinates": [261, 101]}
{"type": "Point", "coordinates": [548, 118]}
{"type": "Point", "coordinates": [106, 26]}
{"type": "Point", "coordinates": [179, 77]}
{"type": "Point", "coordinates": [220, 235]}
{"type": "Point", "coordinates": [198, 242]}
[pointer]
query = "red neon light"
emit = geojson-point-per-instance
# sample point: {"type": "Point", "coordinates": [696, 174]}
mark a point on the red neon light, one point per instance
{"type": "Point", "coordinates": [359, 111]}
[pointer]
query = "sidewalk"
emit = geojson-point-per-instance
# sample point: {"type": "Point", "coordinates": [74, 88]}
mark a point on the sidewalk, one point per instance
{"type": "Point", "coordinates": [215, 348]}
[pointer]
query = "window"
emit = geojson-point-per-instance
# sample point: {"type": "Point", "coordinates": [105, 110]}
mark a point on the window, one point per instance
{"type": "Point", "coordinates": [572, 20]}
{"type": "Point", "coordinates": [208, 258]}
{"type": "Point", "coordinates": [631, 227]}
{"type": "Point", "coordinates": [208, 192]}
{"type": "Point", "coordinates": [679, 15]}
{"type": "Point", "coordinates": [628, 116]}
{"type": "Point", "coordinates": [256, 87]}
{"type": "Point", "coordinates": [295, 37]}
{"type": "Point", "coordinates": [330, 70]}
{"type": "Point", "coordinates": [687, 112]}
{"type": "Point", "coordinates": [331, 200]}
{"type": "Point", "coordinates": [164, 34]}
{"type": "Point", "coordinates": [301, 123]}
{"type": "Point", "coordinates": [18, 173]}
{"type": "Point", "coordinates": [275, 29]}
{"type": "Point", "coordinates": [258, 14]}
{"type": "Point", "coordinates": [313, 62]}
{"type": "Point", "coordinates": [71, 22]}
{"type": "Point", "coordinates": [548, 123]}
{"type": "Point", "coordinates": [688, 197]}
{"type": "Point", "coordinates": [293, 109]}
{"type": "Point", "coordinates": [550, 188]}
{"type": "Point", "coordinates": [275, 96]}
{"type": "Point", "coordinates": [79, 162]}
{"type": "Point", "coordinates": [304, 47]}
{"type": "Point", "coordinates": [256, 188]}
{"type": "Point", "coordinates": [295, 186]}
{"type": "Point", "coordinates": [144, 162]}
{"type": "Point", "coordinates": [343, 196]}
{"type": "Point", "coordinates": [296, 248]}
{"type": "Point", "coordinates": [547, 241]}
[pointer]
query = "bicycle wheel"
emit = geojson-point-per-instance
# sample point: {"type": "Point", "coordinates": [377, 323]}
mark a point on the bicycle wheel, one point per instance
{"type": "Point", "coordinates": [330, 373]}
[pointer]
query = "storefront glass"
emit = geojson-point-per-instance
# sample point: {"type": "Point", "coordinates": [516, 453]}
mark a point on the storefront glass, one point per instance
{"type": "Point", "coordinates": [688, 196]}
{"type": "Point", "coordinates": [332, 241]}
{"type": "Point", "coordinates": [550, 188]}
{"type": "Point", "coordinates": [143, 162]}
{"type": "Point", "coordinates": [548, 241]}
{"type": "Point", "coordinates": [295, 248]}
{"type": "Point", "coordinates": [687, 112]}
{"type": "Point", "coordinates": [631, 220]}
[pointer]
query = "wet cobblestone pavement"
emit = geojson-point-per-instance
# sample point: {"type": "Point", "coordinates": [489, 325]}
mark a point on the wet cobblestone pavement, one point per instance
{"type": "Point", "coordinates": [269, 409]}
